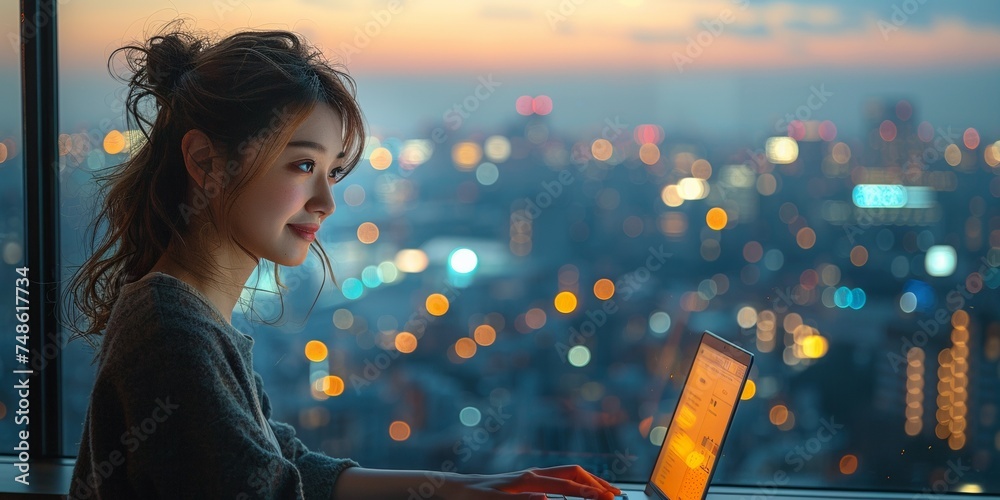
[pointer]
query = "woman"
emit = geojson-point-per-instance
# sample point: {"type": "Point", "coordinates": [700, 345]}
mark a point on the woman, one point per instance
{"type": "Point", "coordinates": [250, 134]}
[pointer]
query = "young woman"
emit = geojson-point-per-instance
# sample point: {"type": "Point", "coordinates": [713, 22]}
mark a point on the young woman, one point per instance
{"type": "Point", "coordinates": [250, 134]}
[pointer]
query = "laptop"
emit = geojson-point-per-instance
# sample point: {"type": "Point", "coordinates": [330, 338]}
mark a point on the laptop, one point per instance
{"type": "Point", "coordinates": [693, 442]}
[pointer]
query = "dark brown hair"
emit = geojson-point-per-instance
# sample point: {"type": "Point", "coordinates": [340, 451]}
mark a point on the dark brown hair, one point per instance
{"type": "Point", "coordinates": [247, 92]}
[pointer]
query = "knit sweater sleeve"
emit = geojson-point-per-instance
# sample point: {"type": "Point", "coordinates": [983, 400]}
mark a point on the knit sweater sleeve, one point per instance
{"type": "Point", "coordinates": [192, 427]}
{"type": "Point", "coordinates": [319, 471]}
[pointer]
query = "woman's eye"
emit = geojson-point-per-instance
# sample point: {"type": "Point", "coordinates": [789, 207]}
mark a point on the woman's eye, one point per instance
{"type": "Point", "coordinates": [337, 173]}
{"type": "Point", "coordinates": [310, 163]}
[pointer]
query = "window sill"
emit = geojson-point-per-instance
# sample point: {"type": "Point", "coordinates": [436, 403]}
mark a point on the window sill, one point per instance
{"type": "Point", "coordinates": [50, 478]}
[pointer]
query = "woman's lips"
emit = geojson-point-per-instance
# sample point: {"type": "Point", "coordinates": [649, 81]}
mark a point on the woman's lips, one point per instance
{"type": "Point", "coordinates": [305, 232]}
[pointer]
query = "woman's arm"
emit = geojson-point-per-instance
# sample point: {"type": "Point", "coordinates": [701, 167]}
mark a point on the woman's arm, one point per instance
{"type": "Point", "coordinates": [376, 484]}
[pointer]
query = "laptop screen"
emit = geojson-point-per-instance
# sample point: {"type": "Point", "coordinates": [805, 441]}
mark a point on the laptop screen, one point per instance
{"type": "Point", "coordinates": [701, 419]}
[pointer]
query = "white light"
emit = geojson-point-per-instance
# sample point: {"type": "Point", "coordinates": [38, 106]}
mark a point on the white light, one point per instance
{"type": "Point", "coordinates": [470, 416]}
{"type": "Point", "coordinates": [410, 260]}
{"type": "Point", "coordinates": [908, 302]}
{"type": "Point", "coordinates": [659, 323]}
{"type": "Point", "coordinates": [692, 188]}
{"type": "Point", "coordinates": [463, 260]}
{"type": "Point", "coordinates": [780, 150]}
{"type": "Point", "coordinates": [657, 434]}
{"type": "Point", "coordinates": [578, 356]}
{"type": "Point", "coordinates": [940, 260]}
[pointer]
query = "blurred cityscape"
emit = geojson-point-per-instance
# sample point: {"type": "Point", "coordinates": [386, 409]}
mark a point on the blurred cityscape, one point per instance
{"type": "Point", "coordinates": [524, 298]}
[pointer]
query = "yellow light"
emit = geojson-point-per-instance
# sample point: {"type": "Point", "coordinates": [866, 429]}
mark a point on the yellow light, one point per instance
{"type": "Point", "coordinates": [315, 351]}
{"type": "Point", "coordinates": [806, 238]}
{"type": "Point", "coordinates": [749, 390]}
{"type": "Point", "coordinates": [405, 342]}
{"type": "Point", "coordinates": [841, 153]}
{"type": "Point", "coordinates": [466, 155]}
{"type": "Point", "coordinates": [436, 304]}
{"type": "Point", "coordinates": [991, 154]}
{"type": "Point", "coordinates": [778, 414]}
{"type": "Point", "coordinates": [649, 153]}
{"type": "Point", "coordinates": [485, 335]}
{"type": "Point", "coordinates": [716, 218]}
{"type": "Point", "coordinates": [953, 155]}
{"type": "Point", "coordinates": [565, 302]}
{"type": "Point", "coordinates": [746, 317]}
{"type": "Point", "coordinates": [960, 319]}
{"type": "Point", "coordinates": [367, 233]}
{"type": "Point", "coordinates": [333, 385]}
{"type": "Point", "coordinates": [670, 196]}
{"type": "Point", "coordinates": [465, 348]}
{"type": "Point", "coordinates": [848, 464]}
{"type": "Point", "coordinates": [399, 430]}
{"type": "Point", "coordinates": [701, 169]}
{"type": "Point", "coordinates": [969, 488]}
{"type": "Point", "coordinates": [114, 142]}
{"type": "Point", "coordinates": [767, 184]}
{"type": "Point", "coordinates": [604, 289]}
{"type": "Point", "coordinates": [814, 346]}
{"type": "Point", "coordinates": [601, 149]}
{"type": "Point", "coordinates": [380, 158]}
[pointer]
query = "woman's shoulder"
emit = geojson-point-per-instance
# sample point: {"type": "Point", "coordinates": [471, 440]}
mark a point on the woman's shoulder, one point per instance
{"type": "Point", "coordinates": [161, 313]}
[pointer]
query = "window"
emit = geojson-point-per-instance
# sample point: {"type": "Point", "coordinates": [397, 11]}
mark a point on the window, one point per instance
{"type": "Point", "coordinates": [557, 197]}
{"type": "Point", "coordinates": [12, 229]}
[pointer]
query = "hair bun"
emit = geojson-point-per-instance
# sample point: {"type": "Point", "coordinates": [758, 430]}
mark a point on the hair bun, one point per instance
{"type": "Point", "coordinates": [168, 57]}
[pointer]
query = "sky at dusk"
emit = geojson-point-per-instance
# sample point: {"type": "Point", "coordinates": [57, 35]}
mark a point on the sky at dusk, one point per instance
{"type": "Point", "coordinates": [727, 67]}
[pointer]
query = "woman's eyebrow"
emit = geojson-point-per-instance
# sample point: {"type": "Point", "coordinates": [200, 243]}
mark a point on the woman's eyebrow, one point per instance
{"type": "Point", "coordinates": [313, 145]}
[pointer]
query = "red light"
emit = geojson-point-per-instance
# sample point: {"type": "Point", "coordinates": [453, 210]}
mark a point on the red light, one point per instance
{"type": "Point", "coordinates": [797, 130]}
{"type": "Point", "coordinates": [647, 134]}
{"type": "Point", "coordinates": [971, 138]}
{"type": "Point", "coordinates": [524, 105]}
{"type": "Point", "coordinates": [542, 105]}
{"type": "Point", "coordinates": [827, 131]}
{"type": "Point", "coordinates": [887, 130]}
{"type": "Point", "coordinates": [925, 131]}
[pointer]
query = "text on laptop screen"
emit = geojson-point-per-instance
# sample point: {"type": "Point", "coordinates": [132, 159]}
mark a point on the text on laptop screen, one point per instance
{"type": "Point", "coordinates": [691, 446]}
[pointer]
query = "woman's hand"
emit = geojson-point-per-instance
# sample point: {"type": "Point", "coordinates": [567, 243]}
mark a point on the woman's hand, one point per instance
{"type": "Point", "coordinates": [533, 484]}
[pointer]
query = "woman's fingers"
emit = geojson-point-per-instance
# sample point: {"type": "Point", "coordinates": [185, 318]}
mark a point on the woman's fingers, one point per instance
{"type": "Point", "coordinates": [535, 480]}
{"type": "Point", "coordinates": [578, 474]}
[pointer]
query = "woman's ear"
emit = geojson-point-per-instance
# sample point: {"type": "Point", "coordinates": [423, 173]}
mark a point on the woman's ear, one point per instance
{"type": "Point", "coordinates": [199, 160]}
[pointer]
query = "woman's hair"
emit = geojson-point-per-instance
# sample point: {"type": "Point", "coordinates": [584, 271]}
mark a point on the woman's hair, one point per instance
{"type": "Point", "coordinates": [247, 93]}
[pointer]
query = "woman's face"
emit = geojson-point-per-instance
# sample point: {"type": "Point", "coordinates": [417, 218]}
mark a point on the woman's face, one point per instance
{"type": "Point", "coordinates": [277, 216]}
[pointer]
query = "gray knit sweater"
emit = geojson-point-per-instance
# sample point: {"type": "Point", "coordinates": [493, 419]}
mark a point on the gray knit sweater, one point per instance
{"type": "Point", "coordinates": [177, 410]}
